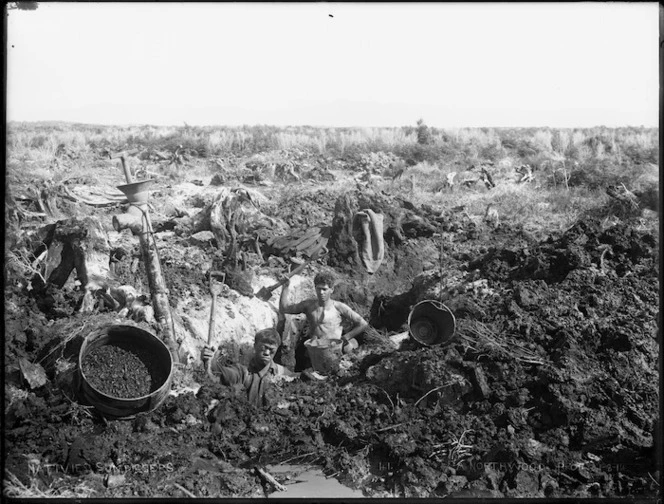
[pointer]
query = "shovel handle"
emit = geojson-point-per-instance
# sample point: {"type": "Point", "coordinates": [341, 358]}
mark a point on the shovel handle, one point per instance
{"type": "Point", "coordinates": [266, 292]}
{"type": "Point", "coordinates": [298, 269]}
{"type": "Point", "coordinates": [212, 317]}
{"type": "Point", "coordinates": [126, 170]}
{"type": "Point", "coordinates": [208, 364]}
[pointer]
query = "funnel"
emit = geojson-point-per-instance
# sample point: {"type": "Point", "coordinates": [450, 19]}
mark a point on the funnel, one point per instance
{"type": "Point", "coordinates": [137, 192]}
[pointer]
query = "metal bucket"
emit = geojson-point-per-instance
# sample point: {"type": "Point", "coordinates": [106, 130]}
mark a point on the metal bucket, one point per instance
{"type": "Point", "coordinates": [324, 354]}
{"type": "Point", "coordinates": [159, 367]}
{"type": "Point", "coordinates": [431, 323]}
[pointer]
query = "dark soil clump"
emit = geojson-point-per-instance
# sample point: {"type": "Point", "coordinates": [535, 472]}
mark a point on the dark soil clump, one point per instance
{"type": "Point", "coordinates": [121, 370]}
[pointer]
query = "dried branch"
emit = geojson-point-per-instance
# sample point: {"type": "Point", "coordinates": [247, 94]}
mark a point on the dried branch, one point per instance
{"type": "Point", "coordinates": [479, 336]}
{"type": "Point", "coordinates": [184, 490]}
{"type": "Point", "coordinates": [390, 427]}
{"type": "Point", "coordinates": [25, 267]}
{"type": "Point", "coordinates": [296, 457]}
{"type": "Point", "coordinates": [387, 395]}
{"type": "Point", "coordinates": [270, 479]}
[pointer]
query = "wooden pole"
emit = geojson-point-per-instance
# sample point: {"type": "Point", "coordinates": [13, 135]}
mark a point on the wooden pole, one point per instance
{"type": "Point", "coordinates": [143, 228]}
{"type": "Point", "coordinates": [158, 290]}
{"type": "Point", "coordinates": [125, 167]}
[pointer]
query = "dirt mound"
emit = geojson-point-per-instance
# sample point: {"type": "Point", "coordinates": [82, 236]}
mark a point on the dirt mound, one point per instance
{"type": "Point", "coordinates": [582, 308]}
{"type": "Point", "coordinates": [308, 209]}
{"type": "Point", "coordinates": [402, 222]}
{"type": "Point", "coordinates": [584, 245]}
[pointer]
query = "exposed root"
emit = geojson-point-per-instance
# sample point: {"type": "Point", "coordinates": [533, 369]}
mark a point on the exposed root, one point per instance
{"type": "Point", "coordinates": [455, 450]}
{"type": "Point", "coordinates": [433, 390]}
{"type": "Point", "coordinates": [13, 487]}
{"type": "Point", "coordinates": [71, 332]}
{"type": "Point", "coordinates": [386, 395]}
{"type": "Point", "coordinates": [480, 338]}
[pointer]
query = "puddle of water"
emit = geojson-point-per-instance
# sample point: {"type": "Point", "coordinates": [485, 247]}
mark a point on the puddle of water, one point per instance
{"type": "Point", "coordinates": [308, 481]}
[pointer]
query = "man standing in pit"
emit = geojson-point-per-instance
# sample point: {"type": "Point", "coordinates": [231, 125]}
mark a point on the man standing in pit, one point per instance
{"type": "Point", "coordinates": [326, 316]}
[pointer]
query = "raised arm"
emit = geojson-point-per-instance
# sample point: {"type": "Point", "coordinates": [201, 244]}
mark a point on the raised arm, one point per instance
{"type": "Point", "coordinates": [285, 290]}
{"type": "Point", "coordinates": [226, 375]}
{"type": "Point", "coordinates": [234, 374]}
{"type": "Point", "coordinates": [286, 308]}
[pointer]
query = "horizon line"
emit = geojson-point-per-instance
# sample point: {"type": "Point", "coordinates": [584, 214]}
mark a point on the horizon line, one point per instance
{"type": "Point", "coordinates": [255, 125]}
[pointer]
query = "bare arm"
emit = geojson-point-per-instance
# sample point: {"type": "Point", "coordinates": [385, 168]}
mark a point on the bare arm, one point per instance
{"type": "Point", "coordinates": [359, 324]}
{"type": "Point", "coordinates": [227, 375]}
{"type": "Point", "coordinates": [286, 308]}
{"type": "Point", "coordinates": [209, 355]}
{"type": "Point", "coordinates": [357, 330]}
{"type": "Point", "coordinates": [284, 297]}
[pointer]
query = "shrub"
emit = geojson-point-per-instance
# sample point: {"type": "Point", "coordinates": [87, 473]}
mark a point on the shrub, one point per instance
{"type": "Point", "coordinates": [597, 175]}
{"type": "Point", "coordinates": [639, 155]}
{"type": "Point", "coordinates": [193, 144]}
{"type": "Point", "coordinates": [263, 139]}
{"type": "Point", "coordinates": [542, 140]}
{"type": "Point", "coordinates": [423, 133]}
{"type": "Point", "coordinates": [649, 198]}
{"type": "Point", "coordinates": [418, 153]}
{"type": "Point", "coordinates": [38, 141]}
{"type": "Point", "coordinates": [526, 147]}
{"type": "Point", "coordinates": [492, 152]}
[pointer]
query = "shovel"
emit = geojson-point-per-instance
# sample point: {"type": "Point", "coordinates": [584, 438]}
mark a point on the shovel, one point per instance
{"type": "Point", "coordinates": [215, 290]}
{"type": "Point", "coordinates": [265, 293]}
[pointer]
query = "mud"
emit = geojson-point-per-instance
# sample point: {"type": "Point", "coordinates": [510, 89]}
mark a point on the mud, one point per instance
{"type": "Point", "coordinates": [549, 389]}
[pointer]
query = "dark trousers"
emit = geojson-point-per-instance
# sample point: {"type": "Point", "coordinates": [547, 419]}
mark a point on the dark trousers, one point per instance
{"type": "Point", "coordinates": [302, 360]}
{"type": "Point", "coordinates": [293, 355]}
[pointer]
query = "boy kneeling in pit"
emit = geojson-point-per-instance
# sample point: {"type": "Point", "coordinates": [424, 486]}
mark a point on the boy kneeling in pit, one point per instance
{"type": "Point", "coordinates": [261, 371]}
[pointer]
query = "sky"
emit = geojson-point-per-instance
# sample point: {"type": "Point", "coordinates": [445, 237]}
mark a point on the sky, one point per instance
{"type": "Point", "coordinates": [335, 64]}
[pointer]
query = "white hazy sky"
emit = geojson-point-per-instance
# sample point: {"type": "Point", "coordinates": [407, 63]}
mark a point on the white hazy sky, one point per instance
{"type": "Point", "coordinates": [331, 64]}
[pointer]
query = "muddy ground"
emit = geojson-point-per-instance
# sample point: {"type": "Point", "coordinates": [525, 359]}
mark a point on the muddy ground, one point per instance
{"type": "Point", "coordinates": [549, 389]}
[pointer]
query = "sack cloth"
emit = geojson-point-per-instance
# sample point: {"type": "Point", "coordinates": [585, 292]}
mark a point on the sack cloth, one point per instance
{"type": "Point", "coordinates": [368, 232]}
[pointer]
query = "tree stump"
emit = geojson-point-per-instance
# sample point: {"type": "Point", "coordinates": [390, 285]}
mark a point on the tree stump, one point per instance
{"type": "Point", "coordinates": [343, 247]}
{"type": "Point", "coordinates": [81, 245]}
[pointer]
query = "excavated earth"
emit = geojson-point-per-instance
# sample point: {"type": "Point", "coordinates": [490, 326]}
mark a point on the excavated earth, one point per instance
{"type": "Point", "coordinates": [549, 389]}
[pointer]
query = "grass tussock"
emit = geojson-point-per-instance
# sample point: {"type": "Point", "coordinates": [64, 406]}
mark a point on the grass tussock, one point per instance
{"type": "Point", "coordinates": [15, 488]}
